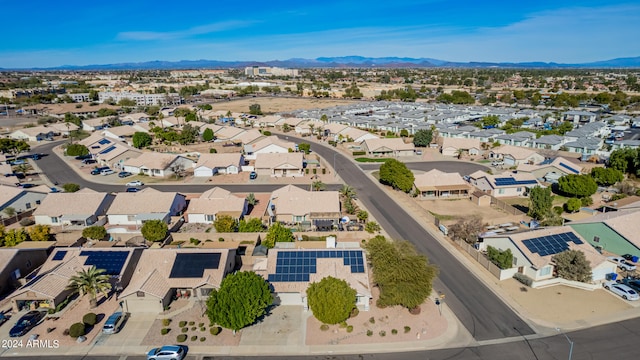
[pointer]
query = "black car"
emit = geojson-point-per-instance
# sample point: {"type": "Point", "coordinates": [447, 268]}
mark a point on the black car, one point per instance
{"type": "Point", "coordinates": [632, 283]}
{"type": "Point", "coordinates": [83, 157]}
{"type": "Point", "coordinates": [628, 257]}
{"type": "Point", "coordinates": [124, 174]}
{"type": "Point", "coordinates": [27, 322]}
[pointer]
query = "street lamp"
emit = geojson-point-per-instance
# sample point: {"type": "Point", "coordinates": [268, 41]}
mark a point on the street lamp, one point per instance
{"type": "Point", "coordinates": [569, 340]}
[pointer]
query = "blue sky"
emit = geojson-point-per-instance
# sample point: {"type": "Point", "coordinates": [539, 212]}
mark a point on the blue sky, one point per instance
{"type": "Point", "coordinates": [86, 32]}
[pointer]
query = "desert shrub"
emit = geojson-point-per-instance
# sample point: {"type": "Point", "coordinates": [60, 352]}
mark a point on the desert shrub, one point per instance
{"type": "Point", "coordinates": [358, 153]}
{"type": "Point", "coordinates": [266, 133]}
{"type": "Point", "coordinates": [181, 338]}
{"type": "Point", "coordinates": [182, 324]}
{"type": "Point", "coordinates": [221, 239]}
{"type": "Point", "coordinates": [382, 333]}
{"type": "Point", "coordinates": [354, 312]}
{"type": "Point", "coordinates": [324, 327]}
{"type": "Point", "coordinates": [394, 331]}
{"type": "Point", "coordinates": [194, 338]}
{"type": "Point", "coordinates": [369, 333]}
{"type": "Point", "coordinates": [166, 322]}
{"type": "Point", "coordinates": [523, 279]}
{"type": "Point", "coordinates": [415, 311]}
{"type": "Point", "coordinates": [185, 329]}
{"type": "Point", "coordinates": [372, 320]}
{"type": "Point", "coordinates": [215, 330]}
{"type": "Point", "coordinates": [343, 325]}
{"type": "Point", "coordinates": [164, 331]}
{"type": "Point", "coordinates": [201, 324]}
{"type": "Point", "coordinates": [77, 330]}
{"type": "Point", "coordinates": [191, 323]}
{"type": "Point", "coordinates": [407, 329]}
{"type": "Point", "coordinates": [193, 328]}
{"type": "Point", "coordinates": [202, 328]}
{"type": "Point", "coordinates": [65, 332]}
{"type": "Point", "coordinates": [350, 328]}
{"type": "Point", "coordinates": [89, 319]}
{"type": "Point", "coordinates": [202, 339]}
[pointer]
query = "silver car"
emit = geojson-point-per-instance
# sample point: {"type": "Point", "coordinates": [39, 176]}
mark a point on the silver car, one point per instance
{"type": "Point", "coordinates": [167, 352]}
{"type": "Point", "coordinates": [113, 323]}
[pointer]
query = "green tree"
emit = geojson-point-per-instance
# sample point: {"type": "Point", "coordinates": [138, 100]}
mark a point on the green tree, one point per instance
{"type": "Point", "coordinates": [40, 233]}
{"type": "Point", "coordinates": [251, 225]}
{"type": "Point", "coordinates": [277, 233]}
{"type": "Point", "coordinates": [404, 133]}
{"type": "Point", "coordinates": [207, 135]}
{"type": "Point", "coordinates": [331, 300]}
{"type": "Point", "coordinates": [573, 265]}
{"type": "Point", "coordinates": [573, 205]}
{"type": "Point", "coordinates": [304, 147]}
{"type": "Point", "coordinates": [624, 160]}
{"type": "Point", "coordinates": [77, 150]}
{"type": "Point", "coordinates": [243, 297]}
{"type": "Point", "coordinates": [403, 275]}
{"type": "Point", "coordinates": [141, 139]}
{"type": "Point", "coordinates": [12, 146]}
{"type": "Point", "coordinates": [14, 237]}
{"type": "Point", "coordinates": [396, 174]}
{"type": "Point", "coordinates": [318, 185]}
{"type": "Point", "coordinates": [422, 138]}
{"type": "Point", "coordinates": [90, 282]}
{"type": "Point", "coordinates": [490, 121]}
{"type": "Point", "coordinates": [466, 229]}
{"type": "Point", "coordinates": [251, 199]}
{"type": "Point", "coordinates": [502, 258]}
{"type": "Point", "coordinates": [362, 215]}
{"type": "Point", "coordinates": [154, 230]}
{"type": "Point", "coordinates": [348, 192]}
{"type": "Point", "coordinates": [127, 102]}
{"type": "Point", "coordinates": [606, 176]}
{"type": "Point", "coordinates": [188, 135]}
{"type": "Point", "coordinates": [372, 227]}
{"type": "Point", "coordinates": [70, 187]}
{"type": "Point", "coordinates": [577, 185]}
{"type": "Point", "coordinates": [225, 224]}
{"type": "Point", "coordinates": [540, 202]}
{"type": "Point", "coordinates": [254, 109]}
{"type": "Point", "coordinates": [96, 232]}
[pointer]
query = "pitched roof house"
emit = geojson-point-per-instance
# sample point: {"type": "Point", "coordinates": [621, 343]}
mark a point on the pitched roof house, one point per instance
{"type": "Point", "coordinates": [79, 209]}
{"type": "Point", "coordinates": [158, 164]}
{"type": "Point", "coordinates": [437, 184]}
{"type": "Point", "coordinates": [134, 208]}
{"type": "Point", "coordinates": [213, 203]}
{"type": "Point", "coordinates": [211, 164]}
{"type": "Point", "coordinates": [293, 205]}
{"type": "Point", "coordinates": [387, 147]}
{"type": "Point", "coordinates": [280, 164]}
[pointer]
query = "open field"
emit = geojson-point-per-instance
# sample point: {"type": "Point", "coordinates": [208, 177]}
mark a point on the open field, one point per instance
{"type": "Point", "coordinates": [277, 104]}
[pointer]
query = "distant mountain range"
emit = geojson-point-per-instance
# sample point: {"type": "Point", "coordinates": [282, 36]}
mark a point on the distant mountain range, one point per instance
{"type": "Point", "coordinates": [345, 62]}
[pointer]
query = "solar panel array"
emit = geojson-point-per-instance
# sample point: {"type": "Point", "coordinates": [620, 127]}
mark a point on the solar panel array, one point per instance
{"type": "Point", "coordinates": [104, 142]}
{"type": "Point", "coordinates": [551, 244]}
{"type": "Point", "coordinates": [193, 265]}
{"type": "Point", "coordinates": [569, 168]}
{"type": "Point", "coordinates": [59, 255]}
{"type": "Point", "coordinates": [507, 181]}
{"type": "Point", "coordinates": [110, 148]}
{"type": "Point", "coordinates": [111, 261]}
{"type": "Point", "coordinates": [295, 266]}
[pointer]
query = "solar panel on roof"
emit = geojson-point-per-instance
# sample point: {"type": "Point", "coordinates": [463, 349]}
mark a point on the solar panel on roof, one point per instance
{"type": "Point", "coordinates": [59, 255]}
{"type": "Point", "coordinates": [111, 261]}
{"type": "Point", "coordinates": [551, 244]}
{"type": "Point", "coordinates": [104, 142]}
{"type": "Point", "coordinates": [193, 265]}
{"type": "Point", "coordinates": [569, 168]}
{"type": "Point", "coordinates": [109, 149]}
{"type": "Point", "coordinates": [296, 266]}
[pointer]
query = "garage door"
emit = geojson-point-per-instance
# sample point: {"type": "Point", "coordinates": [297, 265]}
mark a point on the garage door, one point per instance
{"type": "Point", "coordinates": [288, 299]}
{"type": "Point", "coordinates": [152, 305]}
{"type": "Point", "coordinates": [509, 161]}
{"type": "Point", "coordinates": [203, 171]}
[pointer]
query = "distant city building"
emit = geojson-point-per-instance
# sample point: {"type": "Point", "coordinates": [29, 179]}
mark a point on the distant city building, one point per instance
{"type": "Point", "coordinates": [253, 71]}
{"type": "Point", "coordinates": [140, 99]}
{"type": "Point", "coordinates": [196, 73]}
{"type": "Point", "coordinates": [83, 97]}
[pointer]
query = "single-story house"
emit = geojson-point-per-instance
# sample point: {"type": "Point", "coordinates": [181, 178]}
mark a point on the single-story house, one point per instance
{"type": "Point", "coordinates": [280, 164]}
{"type": "Point", "coordinates": [33, 134]}
{"type": "Point", "coordinates": [554, 169]}
{"type": "Point", "coordinates": [158, 164]}
{"type": "Point", "coordinates": [267, 145]}
{"type": "Point", "coordinates": [163, 275]}
{"type": "Point", "coordinates": [83, 208]}
{"type": "Point", "coordinates": [533, 251]}
{"type": "Point", "coordinates": [455, 146]}
{"type": "Point", "coordinates": [387, 147]}
{"type": "Point", "coordinates": [506, 185]}
{"type": "Point", "coordinates": [19, 199]}
{"type": "Point", "coordinates": [213, 203]}
{"type": "Point", "coordinates": [514, 155]}
{"type": "Point", "coordinates": [15, 264]}
{"type": "Point", "coordinates": [437, 184]}
{"type": "Point", "coordinates": [211, 164]}
{"type": "Point", "coordinates": [134, 208]}
{"type": "Point", "coordinates": [293, 205]}
{"type": "Point", "coordinates": [613, 231]}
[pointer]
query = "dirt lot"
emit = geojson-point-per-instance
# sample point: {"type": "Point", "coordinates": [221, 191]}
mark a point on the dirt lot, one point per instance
{"type": "Point", "coordinates": [275, 104]}
{"type": "Point", "coordinates": [450, 210]}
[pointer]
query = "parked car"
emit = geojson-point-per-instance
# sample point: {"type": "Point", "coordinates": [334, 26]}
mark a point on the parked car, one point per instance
{"type": "Point", "coordinates": [173, 352]}
{"type": "Point", "coordinates": [89, 161]}
{"type": "Point", "coordinates": [628, 257]}
{"type": "Point", "coordinates": [98, 170]}
{"type": "Point", "coordinates": [124, 174]}
{"type": "Point", "coordinates": [497, 163]}
{"type": "Point", "coordinates": [3, 318]}
{"type": "Point", "coordinates": [622, 263]}
{"type": "Point", "coordinates": [632, 283]}
{"type": "Point", "coordinates": [83, 157]}
{"type": "Point", "coordinates": [253, 175]}
{"type": "Point", "coordinates": [106, 172]}
{"type": "Point", "coordinates": [132, 189]}
{"type": "Point", "coordinates": [135, 183]}
{"type": "Point", "coordinates": [27, 322]}
{"type": "Point", "coordinates": [622, 290]}
{"type": "Point", "coordinates": [55, 190]}
{"type": "Point", "coordinates": [27, 186]}
{"type": "Point", "coordinates": [114, 322]}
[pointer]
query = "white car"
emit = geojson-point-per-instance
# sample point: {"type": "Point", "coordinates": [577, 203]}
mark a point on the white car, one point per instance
{"type": "Point", "coordinates": [622, 263]}
{"type": "Point", "coordinates": [135, 183]}
{"type": "Point", "coordinates": [624, 291]}
{"type": "Point", "coordinates": [167, 352]}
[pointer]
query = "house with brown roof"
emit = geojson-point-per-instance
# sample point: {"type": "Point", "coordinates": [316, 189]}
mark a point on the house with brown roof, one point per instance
{"type": "Point", "coordinates": [163, 275]}
{"type": "Point", "coordinates": [533, 252]}
{"type": "Point", "coordinates": [280, 164]}
{"type": "Point", "coordinates": [213, 203]}
{"type": "Point", "coordinates": [387, 147]}
{"type": "Point", "coordinates": [290, 271]}
{"type": "Point", "coordinates": [212, 164]}
{"type": "Point", "coordinates": [293, 205]}
{"type": "Point", "coordinates": [33, 134]}
{"type": "Point", "coordinates": [16, 263]}
{"type": "Point", "coordinates": [551, 171]}
{"type": "Point", "coordinates": [267, 145]}
{"type": "Point", "coordinates": [158, 164]}
{"type": "Point", "coordinates": [436, 184]}
{"type": "Point", "coordinates": [47, 287]}
{"type": "Point", "coordinates": [514, 155]}
{"type": "Point", "coordinates": [134, 208]}
{"type": "Point", "coordinates": [19, 199]}
{"type": "Point", "coordinates": [83, 208]}
{"type": "Point", "coordinates": [456, 146]}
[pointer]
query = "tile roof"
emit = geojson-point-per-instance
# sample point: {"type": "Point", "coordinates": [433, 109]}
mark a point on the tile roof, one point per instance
{"type": "Point", "coordinates": [279, 160]}
{"type": "Point", "coordinates": [85, 202]}
{"type": "Point", "coordinates": [152, 160]}
{"type": "Point", "coordinates": [216, 200]}
{"type": "Point", "coordinates": [212, 161]}
{"type": "Point", "coordinates": [146, 201]}
{"type": "Point", "coordinates": [436, 178]}
{"type": "Point", "coordinates": [292, 200]}
{"type": "Point", "coordinates": [394, 144]}
{"type": "Point", "coordinates": [460, 143]}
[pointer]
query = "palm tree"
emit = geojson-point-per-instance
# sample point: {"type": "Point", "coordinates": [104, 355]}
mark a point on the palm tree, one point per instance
{"type": "Point", "coordinates": [318, 185]}
{"type": "Point", "coordinates": [348, 192]}
{"type": "Point", "coordinates": [90, 282]}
